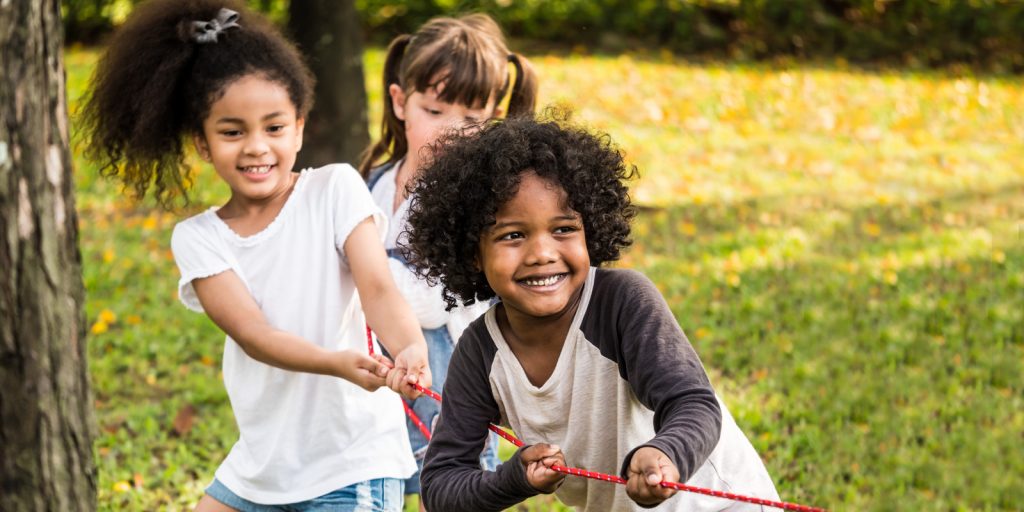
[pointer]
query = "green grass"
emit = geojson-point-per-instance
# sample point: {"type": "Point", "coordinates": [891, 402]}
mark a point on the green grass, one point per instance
{"type": "Point", "coordinates": [843, 248]}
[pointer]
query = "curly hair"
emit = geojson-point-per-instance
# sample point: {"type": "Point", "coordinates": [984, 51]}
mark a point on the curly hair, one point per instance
{"type": "Point", "coordinates": [460, 191]}
{"type": "Point", "coordinates": [155, 84]}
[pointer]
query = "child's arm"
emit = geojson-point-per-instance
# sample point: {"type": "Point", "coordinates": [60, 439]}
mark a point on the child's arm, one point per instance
{"type": "Point", "coordinates": [451, 479]}
{"type": "Point", "coordinates": [386, 311]}
{"type": "Point", "coordinates": [228, 303]}
{"type": "Point", "coordinates": [665, 374]}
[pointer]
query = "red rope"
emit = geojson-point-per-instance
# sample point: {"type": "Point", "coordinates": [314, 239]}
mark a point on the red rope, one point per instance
{"type": "Point", "coordinates": [603, 476]}
{"type": "Point", "coordinates": [416, 420]}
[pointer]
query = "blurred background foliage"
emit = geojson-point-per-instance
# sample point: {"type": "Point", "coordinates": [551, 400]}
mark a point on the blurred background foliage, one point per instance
{"type": "Point", "coordinates": [983, 34]}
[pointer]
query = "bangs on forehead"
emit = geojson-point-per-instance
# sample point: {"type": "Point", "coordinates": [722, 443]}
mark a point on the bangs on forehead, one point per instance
{"type": "Point", "coordinates": [469, 78]}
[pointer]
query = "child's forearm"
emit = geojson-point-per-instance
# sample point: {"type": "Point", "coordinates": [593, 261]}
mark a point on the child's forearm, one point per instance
{"type": "Point", "coordinates": [386, 311]}
{"type": "Point", "coordinates": [460, 485]}
{"type": "Point", "coordinates": [451, 479]}
{"type": "Point", "coordinates": [392, 319]}
{"type": "Point", "coordinates": [228, 303]}
{"type": "Point", "coordinates": [286, 351]}
{"type": "Point", "coordinates": [290, 352]}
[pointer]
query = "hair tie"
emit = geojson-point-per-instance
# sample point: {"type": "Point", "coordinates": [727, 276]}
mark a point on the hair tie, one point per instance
{"type": "Point", "coordinates": [206, 31]}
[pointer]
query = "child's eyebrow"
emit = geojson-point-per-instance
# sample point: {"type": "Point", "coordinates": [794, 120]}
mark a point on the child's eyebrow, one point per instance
{"type": "Point", "coordinates": [236, 120]}
{"type": "Point", "coordinates": [516, 223]}
{"type": "Point", "coordinates": [502, 225]}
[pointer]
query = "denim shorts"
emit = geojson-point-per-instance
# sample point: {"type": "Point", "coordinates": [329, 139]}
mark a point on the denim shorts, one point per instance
{"type": "Point", "coordinates": [379, 495]}
{"type": "Point", "coordinates": [439, 348]}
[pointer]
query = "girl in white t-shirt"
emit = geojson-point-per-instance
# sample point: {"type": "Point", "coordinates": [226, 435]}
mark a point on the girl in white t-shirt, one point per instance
{"type": "Point", "coordinates": [286, 267]}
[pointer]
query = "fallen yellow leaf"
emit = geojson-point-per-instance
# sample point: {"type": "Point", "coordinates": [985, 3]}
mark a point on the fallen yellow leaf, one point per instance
{"type": "Point", "coordinates": [108, 316]}
{"type": "Point", "coordinates": [99, 327]}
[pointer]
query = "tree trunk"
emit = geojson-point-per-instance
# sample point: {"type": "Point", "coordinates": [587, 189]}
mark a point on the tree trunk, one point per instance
{"type": "Point", "coordinates": [46, 422]}
{"type": "Point", "coordinates": [328, 33]}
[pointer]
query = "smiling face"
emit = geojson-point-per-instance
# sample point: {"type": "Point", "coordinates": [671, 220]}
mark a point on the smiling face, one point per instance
{"type": "Point", "coordinates": [427, 118]}
{"type": "Point", "coordinates": [535, 255]}
{"type": "Point", "coordinates": [251, 137]}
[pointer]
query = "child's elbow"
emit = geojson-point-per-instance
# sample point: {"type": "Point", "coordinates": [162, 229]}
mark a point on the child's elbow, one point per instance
{"type": "Point", "coordinates": [432, 489]}
{"type": "Point", "coordinates": [428, 495]}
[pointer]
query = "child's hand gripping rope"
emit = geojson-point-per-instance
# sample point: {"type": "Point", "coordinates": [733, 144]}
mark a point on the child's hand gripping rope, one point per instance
{"type": "Point", "coordinates": [648, 468]}
{"type": "Point", "coordinates": [407, 375]}
{"type": "Point", "coordinates": [540, 460]}
{"type": "Point", "coordinates": [409, 372]}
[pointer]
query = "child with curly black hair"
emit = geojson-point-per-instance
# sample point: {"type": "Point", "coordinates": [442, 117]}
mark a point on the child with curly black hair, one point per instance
{"type": "Point", "coordinates": [587, 362]}
{"type": "Point", "coordinates": [286, 267]}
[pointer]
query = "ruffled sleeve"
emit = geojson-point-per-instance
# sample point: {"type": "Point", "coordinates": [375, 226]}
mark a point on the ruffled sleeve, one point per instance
{"type": "Point", "coordinates": [352, 203]}
{"type": "Point", "coordinates": [197, 256]}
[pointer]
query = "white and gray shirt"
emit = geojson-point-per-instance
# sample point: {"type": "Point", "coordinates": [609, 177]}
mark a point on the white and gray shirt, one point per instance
{"type": "Point", "coordinates": [626, 377]}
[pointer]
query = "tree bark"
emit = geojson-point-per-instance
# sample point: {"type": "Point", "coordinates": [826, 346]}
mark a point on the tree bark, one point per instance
{"type": "Point", "coordinates": [46, 422]}
{"type": "Point", "coordinates": [328, 33]}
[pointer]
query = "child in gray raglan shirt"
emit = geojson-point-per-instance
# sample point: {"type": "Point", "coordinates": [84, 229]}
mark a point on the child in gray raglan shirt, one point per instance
{"type": "Point", "coordinates": [588, 363]}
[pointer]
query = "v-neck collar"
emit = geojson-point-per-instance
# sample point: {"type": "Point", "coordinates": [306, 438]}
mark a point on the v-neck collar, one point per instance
{"type": "Point", "coordinates": [568, 345]}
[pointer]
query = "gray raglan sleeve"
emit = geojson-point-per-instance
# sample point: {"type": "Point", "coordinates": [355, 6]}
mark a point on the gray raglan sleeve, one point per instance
{"type": "Point", "coordinates": [664, 372]}
{"type": "Point", "coordinates": [451, 479]}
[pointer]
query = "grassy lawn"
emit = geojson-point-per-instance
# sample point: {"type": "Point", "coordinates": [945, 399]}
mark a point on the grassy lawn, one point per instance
{"type": "Point", "coordinates": [845, 250]}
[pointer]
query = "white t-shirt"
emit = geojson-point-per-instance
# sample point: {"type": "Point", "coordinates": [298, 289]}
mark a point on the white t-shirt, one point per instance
{"type": "Point", "coordinates": [301, 435]}
{"type": "Point", "coordinates": [426, 301]}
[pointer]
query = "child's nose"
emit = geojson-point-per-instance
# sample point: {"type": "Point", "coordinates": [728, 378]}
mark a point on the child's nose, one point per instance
{"type": "Point", "coordinates": [541, 250]}
{"type": "Point", "coordinates": [256, 145]}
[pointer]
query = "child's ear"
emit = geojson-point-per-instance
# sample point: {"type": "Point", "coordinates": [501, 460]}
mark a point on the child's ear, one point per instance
{"type": "Point", "coordinates": [202, 147]}
{"type": "Point", "coordinates": [397, 101]}
{"type": "Point", "coordinates": [300, 127]}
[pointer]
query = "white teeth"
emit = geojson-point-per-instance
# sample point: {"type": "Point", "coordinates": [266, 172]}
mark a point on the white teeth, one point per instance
{"type": "Point", "coordinates": [257, 169]}
{"type": "Point", "coordinates": [547, 281]}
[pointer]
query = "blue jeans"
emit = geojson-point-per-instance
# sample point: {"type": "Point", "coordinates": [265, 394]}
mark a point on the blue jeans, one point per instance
{"type": "Point", "coordinates": [380, 495]}
{"type": "Point", "coordinates": [439, 349]}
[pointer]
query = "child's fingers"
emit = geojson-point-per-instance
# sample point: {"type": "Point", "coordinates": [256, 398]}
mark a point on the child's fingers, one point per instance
{"type": "Point", "coordinates": [648, 468]}
{"type": "Point", "coordinates": [410, 392]}
{"type": "Point", "coordinates": [542, 478]}
{"type": "Point", "coordinates": [538, 452]}
{"type": "Point", "coordinates": [641, 484]}
{"type": "Point", "coordinates": [399, 382]}
{"type": "Point", "coordinates": [374, 381]}
{"type": "Point", "coordinates": [418, 377]}
{"type": "Point", "coordinates": [396, 378]}
{"type": "Point", "coordinates": [370, 373]}
{"type": "Point", "coordinates": [372, 365]}
{"type": "Point", "coordinates": [415, 363]}
{"type": "Point", "coordinates": [382, 359]}
{"type": "Point", "coordinates": [551, 461]}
